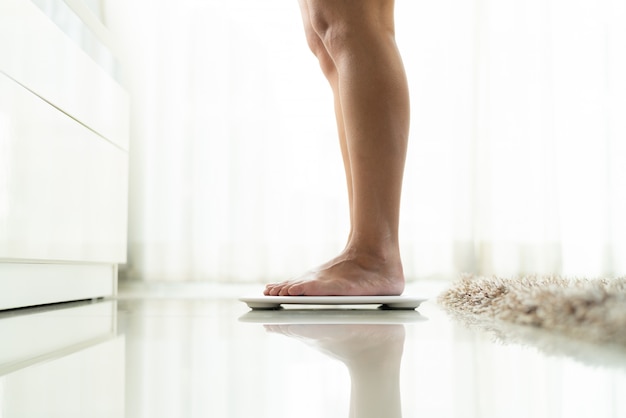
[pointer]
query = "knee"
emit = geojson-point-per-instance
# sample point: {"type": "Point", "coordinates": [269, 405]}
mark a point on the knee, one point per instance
{"type": "Point", "coordinates": [339, 30]}
{"type": "Point", "coordinates": [331, 32]}
{"type": "Point", "coordinates": [319, 50]}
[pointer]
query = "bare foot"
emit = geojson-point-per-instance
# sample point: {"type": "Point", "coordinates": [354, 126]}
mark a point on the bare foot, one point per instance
{"type": "Point", "coordinates": [360, 345]}
{"type": "Point", "coordinates": [346, 275]}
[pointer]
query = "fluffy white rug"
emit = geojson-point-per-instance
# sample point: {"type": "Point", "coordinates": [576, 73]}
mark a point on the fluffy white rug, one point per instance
{"type": "Point", "coordinates": [590, 309]}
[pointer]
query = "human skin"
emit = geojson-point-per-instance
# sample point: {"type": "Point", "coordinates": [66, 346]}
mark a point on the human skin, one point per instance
{"type": "Point", "coordinates": [372, 354]}
{"type": "Point", "coordinates": [354, 42]}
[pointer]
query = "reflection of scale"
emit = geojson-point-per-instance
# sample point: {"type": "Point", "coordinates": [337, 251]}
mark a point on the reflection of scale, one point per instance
{"type": "Point", "coordinates": [332, 316]}
{"type": "Point", "coordinates": [383, 302]}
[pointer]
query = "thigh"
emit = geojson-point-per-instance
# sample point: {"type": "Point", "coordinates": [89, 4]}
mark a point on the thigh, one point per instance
{"type": "Point", "coordinates": [327, 12]}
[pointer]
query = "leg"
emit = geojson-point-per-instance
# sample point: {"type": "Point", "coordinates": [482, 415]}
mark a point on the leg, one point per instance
{"type": "Point", "coordinates": [371, 97]}
{"type": "Point", "coordinates": [329, 70]}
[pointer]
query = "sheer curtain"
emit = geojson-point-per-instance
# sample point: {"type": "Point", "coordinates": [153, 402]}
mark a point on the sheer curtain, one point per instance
{"type": "Point", "coordinates": [517, 157]}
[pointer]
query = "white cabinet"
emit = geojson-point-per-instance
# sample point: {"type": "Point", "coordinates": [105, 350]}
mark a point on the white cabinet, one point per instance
{"type": "Point", "coordinates": [63, 163]}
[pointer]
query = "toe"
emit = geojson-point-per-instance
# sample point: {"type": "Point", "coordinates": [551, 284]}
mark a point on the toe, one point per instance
{"type": "Point", "coordinates": [296, 290]}
{"type": "Point", "coordinates": [284, 291]}
{"type": "Point", "coordinates": [268, 288]}
{"type": "Point", "coordinates": [274, 291]}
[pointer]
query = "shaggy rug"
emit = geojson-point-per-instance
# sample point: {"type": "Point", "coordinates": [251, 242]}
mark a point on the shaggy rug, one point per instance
{"type": "Point", "coordinates": [593, 310]}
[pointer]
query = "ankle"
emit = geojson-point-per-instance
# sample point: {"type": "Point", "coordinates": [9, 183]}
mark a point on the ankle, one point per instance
{"type": "Point", "coordinates": [372, 257]}
{"type": "Point", "coordinates": [383, 246]}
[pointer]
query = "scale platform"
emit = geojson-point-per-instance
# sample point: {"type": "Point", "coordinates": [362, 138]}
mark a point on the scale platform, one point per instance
{"type": "Point", "coordinates": [384, 302]}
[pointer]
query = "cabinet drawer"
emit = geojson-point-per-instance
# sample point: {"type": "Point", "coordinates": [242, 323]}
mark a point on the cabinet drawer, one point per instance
{"type": "Point", "coordinates": [63, 187]}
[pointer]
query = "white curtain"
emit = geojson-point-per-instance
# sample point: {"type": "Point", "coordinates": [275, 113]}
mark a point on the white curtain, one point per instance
{"type": "Point", "coordinates": [517, 158]}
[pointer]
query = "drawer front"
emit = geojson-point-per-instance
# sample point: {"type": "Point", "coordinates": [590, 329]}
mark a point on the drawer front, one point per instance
{"type": "Point", "coordinates": [63, 187]}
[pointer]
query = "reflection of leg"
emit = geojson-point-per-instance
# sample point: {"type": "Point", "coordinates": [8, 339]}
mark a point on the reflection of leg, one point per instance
{"type": "Point", "coordinates": [354, 42]}
{"type": "Point", "coordinates": [372, 354]}
{"type": "Point", "coordinates": [376, 387]}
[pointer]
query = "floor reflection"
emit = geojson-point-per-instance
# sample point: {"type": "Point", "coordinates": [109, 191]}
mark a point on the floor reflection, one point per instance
{"type": "Point", "coordinates": [372, 353]}
{"type": "Point", "coordinates": [61, 361]}
{"type": "Point", "coordinates": [213, 357]}
{"type": "Point", "coordinates": [368, 342]}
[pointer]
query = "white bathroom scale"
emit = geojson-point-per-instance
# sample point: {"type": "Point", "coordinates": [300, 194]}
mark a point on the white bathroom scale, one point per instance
{"type": "Point", "coordinates": [383, 302]}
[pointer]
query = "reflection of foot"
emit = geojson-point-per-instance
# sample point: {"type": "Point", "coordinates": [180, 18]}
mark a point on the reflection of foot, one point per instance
{"type": "Point", "coordinates": [373, 354]}
{"type": "Point", "coordinates": [354, 344]}
{"type": "Point", "coordinates": [345, 276]}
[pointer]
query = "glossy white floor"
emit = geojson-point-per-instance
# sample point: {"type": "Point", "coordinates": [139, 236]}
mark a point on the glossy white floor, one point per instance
{"type": "Point", "coordinates": [198, 352]}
